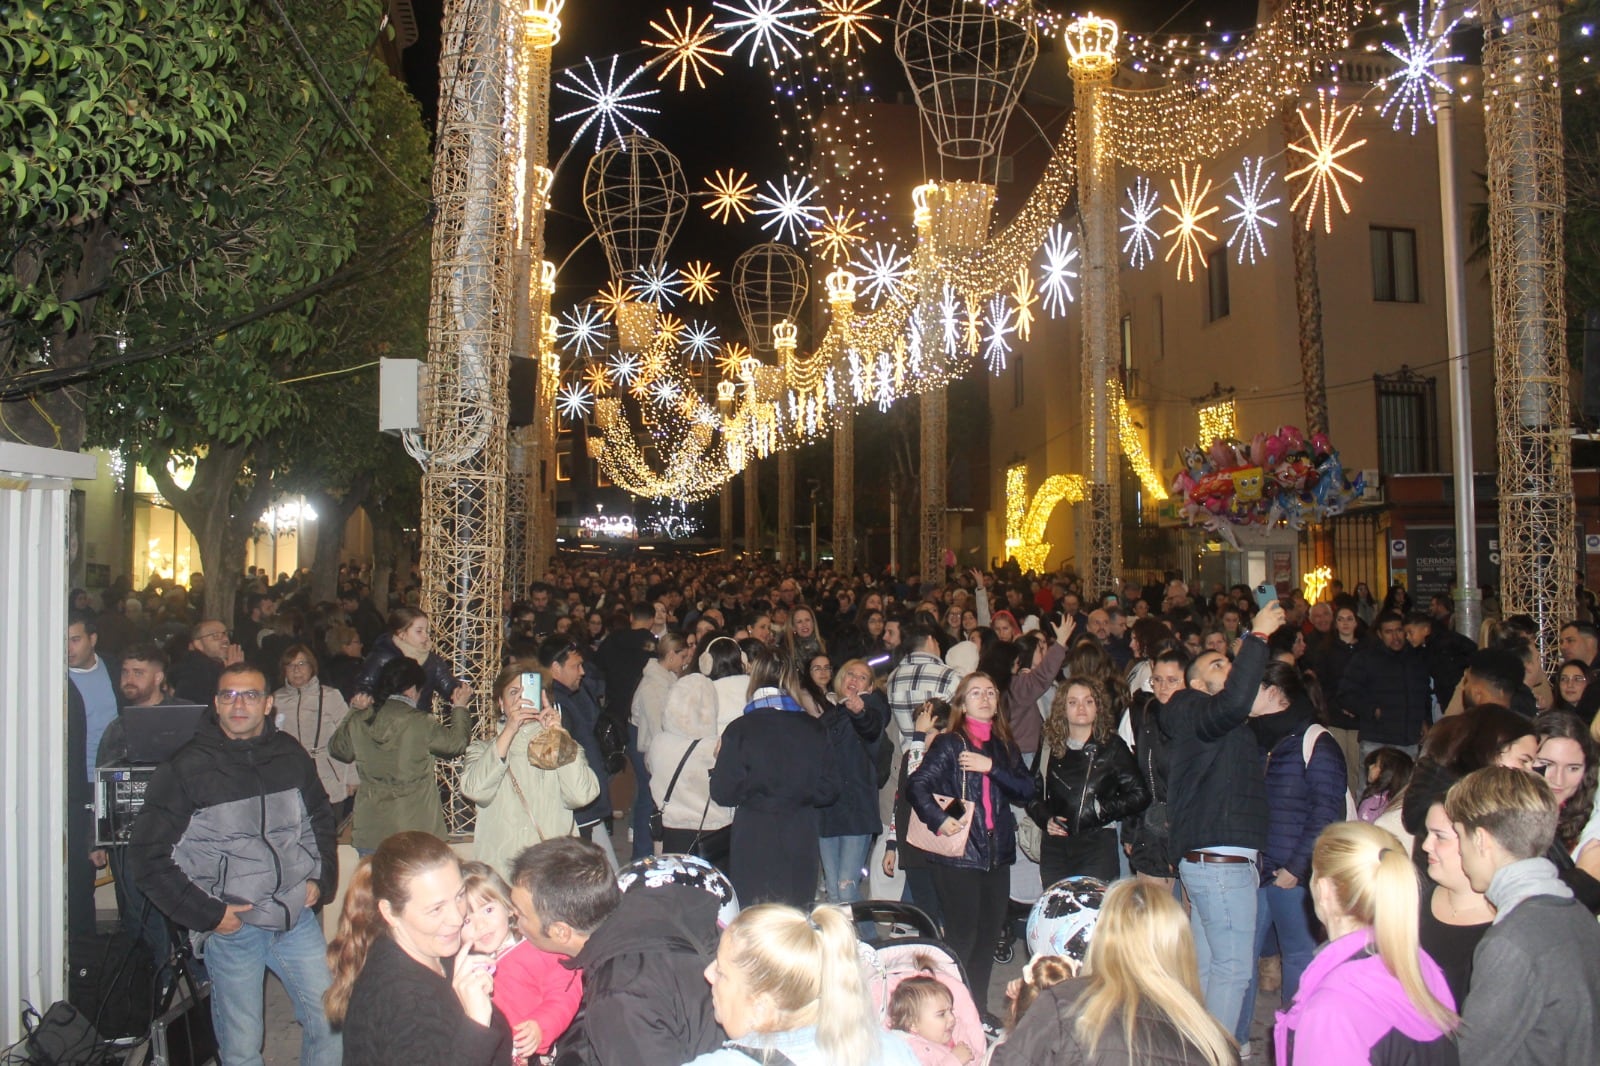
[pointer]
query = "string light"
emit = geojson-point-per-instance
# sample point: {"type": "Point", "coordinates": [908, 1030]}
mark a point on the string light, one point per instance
{"type": "Point", "coordinates": [769, 24]}
{"type": "Point", "coordinates": [1218, 421]}
{"type": "Point", "coordinates": [1132, 447]}
{"type": "Point", "coordinates": [625, 368]}
{"type": "Point", "coordinates": [574, 400]}
{"type": "Point", "coordinates": [687, 48]}
{"type": "Point", "coordinates": [882, 270]}
{"type": "Point", "coordinates": [700, 341]}
{"type": "Point", "coordinates": [699, 281]}
{"type": "Point", "coordinates": [996, 343]}
{"type": "Point", "coordinates": [1027, 298]}
{"type": "Point", "coordinates": [791, 210]}
{"type": "Point", "coordinates": [1058, 275]}
{"type": "Point", "coordinates": [657, 283]}
{"type": "Point", "coordinates": [595, 375]}
{"type": "Point", "coordinates": [1251, 203]}
{"type": "Point", "coordinates": [837, 233]}
{"type": "Point", "coordinates": [1323, 151]}
{"type": "Point", "coordinates": [1188, 228]}
{"type": "Point", "coordinates": [609, 103]}
{"type": "Point", "coordinates": [612, 296]}
{"type": "Point", "coordinates": [731, 196]}
{"type": "Point", "coordinates": [849, 21]}
{"type": "Point", "coordinates": [730, 361]}
{"type": "Point", "coordinates": [1143, 207]}
{"type": "Point", "coordinates": [1414, 84]}
{"type": "Point", "coordinates": [582, 330]}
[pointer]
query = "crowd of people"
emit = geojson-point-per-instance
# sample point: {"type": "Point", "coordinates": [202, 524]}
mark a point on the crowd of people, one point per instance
{"type": "Point", "coordinates": [1346, 802]}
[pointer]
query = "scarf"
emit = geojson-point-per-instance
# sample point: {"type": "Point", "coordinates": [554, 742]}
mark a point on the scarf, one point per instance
{"type": "Point", "coordinates": [1272, 729]}
{"type": "Point", "coordinates": [1522, 880]}
{"type": "Point", "coordinates": [411, 651]}
{"type": "Point", "coordinates": [980, 732]}
{"type": "Point", "coordinates": [772, 699]}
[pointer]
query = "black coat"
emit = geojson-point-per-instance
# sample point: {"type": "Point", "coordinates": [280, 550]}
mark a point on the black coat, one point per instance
{"type": "Point", "coordinates": [941, 773]}
{"type": "Point", "coordinates": [776, 769]}
{"type": "Point", "coordinates": [645, 997]}
{"type": "Point", "coordinates": [854, 740]}
{"type": "Point", "coordinates": [621, 661]}
{"type": "Point", "coordinates": [1047, 1034]}
{"type": "Point", "coordinates": [1390, 692]}
{"type": "Point", "coordinates": [401, 1011]}
{"type": "Point", "coordinates": [1091, 787]}
{"type": "Point", "coordinates": [580, 715]}
{"type": "Point", "coordinates": [1148, 831]}
{"type": "Point", "coordinates": [1329, 658]}
{"type": "Point", "coordinates": [194, 677]}
{"type": "Point", "coordinates": [441, 679]}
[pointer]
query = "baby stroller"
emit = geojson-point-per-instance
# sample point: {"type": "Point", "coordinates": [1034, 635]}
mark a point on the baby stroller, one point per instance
{"type": "Point", "coordinates": [1005, 949]}
{"type": "Point", "coordinates": [912, 948]}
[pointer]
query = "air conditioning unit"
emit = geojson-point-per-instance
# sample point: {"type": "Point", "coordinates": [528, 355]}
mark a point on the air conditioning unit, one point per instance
{"type": "Point", "coordinates": [1371, 487]}
{"type": "Point", "coordinates": [399, 395]}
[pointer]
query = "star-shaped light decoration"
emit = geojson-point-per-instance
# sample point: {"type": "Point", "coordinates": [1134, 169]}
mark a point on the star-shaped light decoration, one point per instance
{"type": "Point", "coordinates": [665, 391]}
{"type": "Point", "coordinates": [731, 195]}
{"type": "Point", "coordinates": [791, 210]}
{"type": "Point", "coordinates": [1323, 151]}
{"type": "Point", "coordinates": [1058, 274]}
{"type": "Point", "coordinates": [582, 330]}
{"type": "Point", "coordinates": [839, 230]}
{"type": "Point", "coordinates": [597, 376]}
{"type": "Point", "coordinates": [699, 281]}
{"type": "Point", "coordinates": [687, 48]}
{"type": "Point", "coordinates": [849, 21]}
{"type": "Point", "coordinates": [1188, 228]}
{"type": "Point", "coordinates": [669, 327]}
{"type": "Point", "coordinates": [625, 368]}
{"type": "Point", "coordinates": [730, 361]}
{"type": "Point", "coordinates": [770, 24]}
{"type": "Point", "coordinates": [1251, 202]}
{"type": "Point", "coordinates": [950, 325]}
{"type": "Point", "coordinates": [999, 327]}
{"type": "Point", "coordinates": [1412, 86]}
{"type": "Point", "coordinates": [700, 341]}
{"type": "Point", "coordinates": [882, 271]}
{"type": "Point", "coordinates": [657, 283]}
{"type": "Point", "coordinates": [608, 103]}
{"type": "Point", "coordinates": [1026, 298]}
{"type": "Point", "coordinates": [1140, 247]}
{"type": "Point", "coordinates": [613, 295]}
{"type": "Point", "coordinates": [574, 400]}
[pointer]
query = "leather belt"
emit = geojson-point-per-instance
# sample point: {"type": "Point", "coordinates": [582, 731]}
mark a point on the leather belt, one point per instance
{"type": "Point", "coordinates": [1211, 856]}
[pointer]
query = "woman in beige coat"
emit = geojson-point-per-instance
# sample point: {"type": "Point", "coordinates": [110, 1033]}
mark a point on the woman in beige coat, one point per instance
{"type": "Point", "coordinates": [520, 803]}
{"type": "Point", "coordinates": [699, 707]}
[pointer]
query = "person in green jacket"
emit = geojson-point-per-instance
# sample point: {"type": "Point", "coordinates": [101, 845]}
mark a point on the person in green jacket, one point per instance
{"type": "Point", "coordinates": [395, 745]}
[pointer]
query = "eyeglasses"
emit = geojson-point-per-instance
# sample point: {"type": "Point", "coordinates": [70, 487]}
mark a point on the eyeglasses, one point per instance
{"type": "Point", "coordinates": [298, 663]}
{"type": "Point", "coordinates": [241, 695]}
{"type": "Point", "coordinates": [223, 633]}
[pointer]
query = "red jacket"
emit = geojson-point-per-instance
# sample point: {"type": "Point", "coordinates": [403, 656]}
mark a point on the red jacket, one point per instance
{"type": "Point", "coordinates": [532, 984]}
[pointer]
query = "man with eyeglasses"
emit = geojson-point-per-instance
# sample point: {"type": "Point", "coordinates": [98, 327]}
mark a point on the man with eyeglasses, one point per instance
{"type": "Point", "coordinates": [195, 674]}
{"type": "Point", "coordinates": [236, 843]}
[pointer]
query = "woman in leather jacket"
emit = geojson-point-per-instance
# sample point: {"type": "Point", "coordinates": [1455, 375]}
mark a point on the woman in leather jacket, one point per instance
{"type": "Point", "coordinates": [1085, 783]}
{"type": "Point", "coordinates": [977, 762]}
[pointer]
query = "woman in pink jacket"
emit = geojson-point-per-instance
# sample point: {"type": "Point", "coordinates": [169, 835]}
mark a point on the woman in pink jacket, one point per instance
{"type": "Point", "coordinates": [1371, 995]}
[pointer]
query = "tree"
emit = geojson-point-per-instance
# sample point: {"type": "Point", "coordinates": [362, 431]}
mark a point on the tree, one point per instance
{"type": "Point", "coordinates": [113, 96]}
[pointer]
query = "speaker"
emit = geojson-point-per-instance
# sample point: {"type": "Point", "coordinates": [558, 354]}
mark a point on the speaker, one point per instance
{"type": "Point", "coordinates": [111, 979]}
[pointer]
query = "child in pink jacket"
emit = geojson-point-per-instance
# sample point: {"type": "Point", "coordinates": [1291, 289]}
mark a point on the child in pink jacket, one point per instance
{"type": "Point", "coordinates": [924, 1011]}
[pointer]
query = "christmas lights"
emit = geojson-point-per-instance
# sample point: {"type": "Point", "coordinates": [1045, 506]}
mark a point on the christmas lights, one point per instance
{"type": "Point", "coordinates": [769, 24]}
{"type": "Point", "coordinates": [790, 210]}
{"type": "Point", "coordinates": [883, 270]}
{"type": "Point", "coordinates": [687, 48]}
{"type": "Point", "coordinates": [1415, 83]}
{"type": "Point", "coordinates": [609, 103]}
{"type": "Point", "coordinates": [1188, 228]}
{"type": "Point", "coordinates": [837, 233]}
{"type": "Point", "coordinates": [574, 400]}
{"type": "Point", "coordinates": [849, 21]}
{"type": "Point", "coordinates": [731, 196]}
{"type": "Point", "coordinates": [1323, 150]}
{"type": "Point", "coordinates": [1251, 203]}
{"type": "Point", "coordinates": [1026, 298]}
{"type": "Point", "coordinates": [582, 330]}
{"type": "Point", "coordinates": [699, 281]}
{"type": "Point", "coordinates": [1143, 206]}
{"type": "Point", "coordinates": [999, 327]}
{"type": "Point", "coordinates": [1058, 274]}
{"type": "Point", "coordinates": [657, 283]}
{"type": "Point", "coordinates": [700, 341]}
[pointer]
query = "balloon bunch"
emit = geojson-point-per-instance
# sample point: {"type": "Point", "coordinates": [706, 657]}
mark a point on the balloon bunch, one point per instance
{"type": "Point", "coordinates": [1276, 477]}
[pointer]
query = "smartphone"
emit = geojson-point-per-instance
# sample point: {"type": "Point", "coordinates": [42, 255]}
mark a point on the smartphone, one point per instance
{"type": "Point", "coordinates": [1265, 594]}
{"type": "Point", "coordinates": [531, 683]}
{"type": "Point", "coordinates": [957, 809]}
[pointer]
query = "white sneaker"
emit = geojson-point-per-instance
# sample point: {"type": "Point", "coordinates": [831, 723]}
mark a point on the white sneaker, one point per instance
{"type": "Point", "coordinates": [1244, 1051]}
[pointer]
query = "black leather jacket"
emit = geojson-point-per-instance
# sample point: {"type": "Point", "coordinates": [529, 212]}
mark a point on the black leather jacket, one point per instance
{"type": "Point", "coordinates": [1009, 781]}
{"type": "Point", "coordinates": [1091, 787]}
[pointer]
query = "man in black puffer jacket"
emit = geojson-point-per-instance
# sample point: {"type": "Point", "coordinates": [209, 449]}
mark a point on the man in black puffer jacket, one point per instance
{"type": "Point", "coordinates": [236, 841]}
{"type": "Point", "coordinates": [643, 954]}
{"type": "Point", "coordinates": [1218, 804]}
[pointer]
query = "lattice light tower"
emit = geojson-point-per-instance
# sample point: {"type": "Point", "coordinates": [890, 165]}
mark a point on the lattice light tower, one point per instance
{"type": "Point", "coordinates": [1527, 194]}
{"type": "Point", "coordinates": [464, 480]}
{"type": "Point", "coordinates": [841, 302]}
{"type": "Point", "coordinates": [1092, 61]}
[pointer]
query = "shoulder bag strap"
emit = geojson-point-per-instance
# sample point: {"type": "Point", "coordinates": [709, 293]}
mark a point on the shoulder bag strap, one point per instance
{"type": "Point", "coordinates": [765, 1056]}
{"type": "Point", "coordinates": [526, 806]}
{"type": "Point", "coordinates": [666, 799]}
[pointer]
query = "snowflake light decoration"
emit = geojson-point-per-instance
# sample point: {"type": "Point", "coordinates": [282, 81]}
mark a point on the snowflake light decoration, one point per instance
{"type": "Point", "coordinates": [791, 209]}
{"type": "Point", "coordinates": [1026, 298]}
{"type": "Point", "coordinates": [1188, 228]}
{"type": "Point", "coordinates": [1323, 151]}
{"type": "Point", "coordinates": [574, 401]}
{"type": "Point", "coordinates": [730, 196]}
{"type": "Point", "coordinates": [657, 283]}
{"type": "Point", "coordinates": [769, 24]}
{"type": "Point", "coordinates": [625, 368]}
{"type": "Point", "coordinates": [837, 233]}
{"type": "Point", "coordinates": [1414, 83]}
{"type": "Point", "coordinates": [882, 271]}
{"type": "Point", "coordinates": [687, 48]}
{"type": "Point", "coordinates": [582, 330]}
{"type": "Point", "coordinates": [669, 326]}
{"type": "Point", "coordinates": [1140, 247]}
{"type": "Point", "coordinates": [699, 281]}
{"type": "Point", "coordinates": [608, 103]}
{"type": "Point", "coordinates": [999, 327]}
{"type": "Point", "coordinates": [951, 328]}
{"type": "Point", "coordinates": [1247, 221]}
{"type": "Point", "coordinates": [700, 340]}
{"type": "Point", "coordinates": [665, 391]}
{"type": "Point", "coordinates": [597, 376]}
{"type": "Point", "coordinates": [730, 361]}
{"type": "Point", "coordinates": [849, 21]}
{"type": "Point", "coordinates": [612, 296]}
{"type": "Point", "coordinates": [1056, 279]}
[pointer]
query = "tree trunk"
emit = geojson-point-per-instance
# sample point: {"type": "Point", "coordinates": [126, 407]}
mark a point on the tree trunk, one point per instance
{"type": "Point", "coordinates": [1307, 298]}
{"type": "Point", "coordinates": [333, 514]}
{"type": "Point", "coordinates": [385, 556]}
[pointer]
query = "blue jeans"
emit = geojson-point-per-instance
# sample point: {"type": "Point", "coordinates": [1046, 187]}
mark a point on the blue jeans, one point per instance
{"type": "Point", "coordinates": [844, 871]}
{"type": "Point", "coordinates": [238, 962]}
{"type": "Point", "coordinates": [643, 802]}
{"type": "Point", "coordinates": [1288, 911]}
{"type": "Point", "coordinates": [1222, 913]}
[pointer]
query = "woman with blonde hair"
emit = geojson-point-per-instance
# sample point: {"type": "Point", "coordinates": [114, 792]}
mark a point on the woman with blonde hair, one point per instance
{"type": "Point", "coordinates": [1138, 999]}
{"type": "Point", "coordinates": [787, 987]}
{"type": "Point", "coordinates": [1371, 994]}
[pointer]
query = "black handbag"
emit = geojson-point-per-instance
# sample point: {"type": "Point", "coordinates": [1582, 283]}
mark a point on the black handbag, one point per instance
{"type": "Point", "coordinates": [613, 744]}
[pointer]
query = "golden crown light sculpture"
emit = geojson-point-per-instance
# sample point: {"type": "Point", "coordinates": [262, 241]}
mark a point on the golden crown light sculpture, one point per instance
{"type": "Point", "coordinates": [541, 23]}
{"type": "Point", "coordinates": [1091, 44]}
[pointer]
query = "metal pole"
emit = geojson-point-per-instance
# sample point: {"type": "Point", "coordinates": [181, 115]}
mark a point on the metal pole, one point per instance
{"type": "Point", "coordinates": [894, 530]}
{"type": "Point", "coordinates": [1468, 597]}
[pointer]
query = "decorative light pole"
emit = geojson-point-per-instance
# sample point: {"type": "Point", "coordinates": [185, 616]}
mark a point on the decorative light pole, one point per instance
{"type": "Point", "coordinates": [841, 300]}
{"type": "Point", "coordinates": [1091, 44]}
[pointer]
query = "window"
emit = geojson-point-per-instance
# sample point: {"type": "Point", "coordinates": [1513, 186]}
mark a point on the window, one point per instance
{"type": "Point", "coordinates": [1394, 265]}
{"type": "Point", "coordinates": [1217, 281]}
{"type": "Point", "coordinates": [1408, 423]}
{"type": "Point", "coordinates": [564, 466]}
{"type": "Point", "coordinates": [1126, 337]}
{"type": "Point", "coordinates": [1017, 393]}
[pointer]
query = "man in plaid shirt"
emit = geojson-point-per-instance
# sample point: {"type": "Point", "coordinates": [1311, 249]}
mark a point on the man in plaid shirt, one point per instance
{"type": "Point", "coordinates": [921, 674]}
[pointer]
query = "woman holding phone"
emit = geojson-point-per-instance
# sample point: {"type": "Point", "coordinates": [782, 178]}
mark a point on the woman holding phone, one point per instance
{"type": "Point", "coordinates": [528, 780]}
